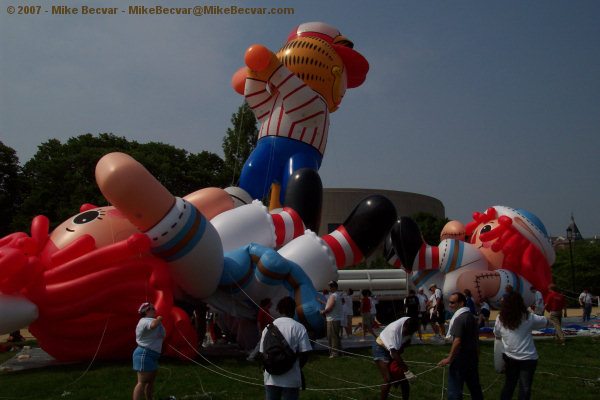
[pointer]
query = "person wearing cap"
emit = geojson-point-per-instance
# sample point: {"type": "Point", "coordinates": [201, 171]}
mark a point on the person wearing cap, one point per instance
{"type": "Point", "coordinates": [334, 313]}
{"type": "Point", "coordinates": [149, 335]}
{"type": "Point", "coordinates": [506, 246]}
{"type": "Point", "coordinates": [292, 94]}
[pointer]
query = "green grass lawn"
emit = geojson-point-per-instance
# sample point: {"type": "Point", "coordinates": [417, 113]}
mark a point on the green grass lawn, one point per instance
{"type": "Point", "coordinates": [563, 372]}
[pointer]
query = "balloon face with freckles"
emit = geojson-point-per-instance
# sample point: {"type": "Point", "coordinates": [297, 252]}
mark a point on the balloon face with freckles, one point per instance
{"type": "Point", "coordinates": [105, 224]}
{"type": "Point", "coordinates": [495, 258]}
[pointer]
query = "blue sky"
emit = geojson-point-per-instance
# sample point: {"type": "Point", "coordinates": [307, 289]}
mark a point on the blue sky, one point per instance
{"type": "Point", "coordinates": [474, 103]}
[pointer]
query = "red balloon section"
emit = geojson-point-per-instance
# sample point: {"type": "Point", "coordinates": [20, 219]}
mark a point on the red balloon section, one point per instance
{"type": "Point", "coordinates": [88, 297]}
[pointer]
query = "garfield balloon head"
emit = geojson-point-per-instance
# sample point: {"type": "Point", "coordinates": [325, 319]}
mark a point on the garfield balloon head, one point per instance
{"type": "Point", "coordinates": [319, 55]}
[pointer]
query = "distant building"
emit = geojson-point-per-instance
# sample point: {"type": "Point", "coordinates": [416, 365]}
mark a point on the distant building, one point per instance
{"type": "Point", "coordinates": [561, 242]}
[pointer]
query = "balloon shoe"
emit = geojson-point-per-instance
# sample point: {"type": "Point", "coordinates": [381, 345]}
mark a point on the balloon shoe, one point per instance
{"type": "Point", "coordinates": [304, 194]}
{"type": "Point", "coordinates": [389, 253]}
{"type": "Point", "coordinates": [406, 241]}
{"type": "Point", "coordinates": [365, 228]}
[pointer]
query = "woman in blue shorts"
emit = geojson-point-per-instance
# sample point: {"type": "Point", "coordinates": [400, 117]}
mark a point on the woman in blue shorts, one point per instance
{"type": "Point", "coordinates": [149, 335]}
{"type": "Point", "coordinates": [388, 347]}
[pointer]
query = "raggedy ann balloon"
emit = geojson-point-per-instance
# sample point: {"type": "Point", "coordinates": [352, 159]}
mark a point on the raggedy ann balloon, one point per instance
{"type": "Point", "coordinates": [506, 247]}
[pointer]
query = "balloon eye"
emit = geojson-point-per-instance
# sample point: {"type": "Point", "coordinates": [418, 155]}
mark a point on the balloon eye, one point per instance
{"type": "Point", "coordinates": [86, 217]}
{"type": "Point", "coordinates": [486, 229]}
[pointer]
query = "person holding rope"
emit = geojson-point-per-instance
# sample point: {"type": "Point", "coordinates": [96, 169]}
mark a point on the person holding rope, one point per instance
{"type": "Point", "coordinates": [513, 327]}
{"type": "Point", "coordinates": [388, 347]}
{"type": "Point", "coordinates": [149, 335]}
{"type": "Point", "coordinates": [464, 353]}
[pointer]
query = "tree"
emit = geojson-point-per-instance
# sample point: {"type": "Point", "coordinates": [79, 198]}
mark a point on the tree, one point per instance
{"type": "Point", "coordinates": [586, 263]}
{"type": "Point", "coordinates": [61, 177]}
{"type": "Point", "coordinates": [10, 188]}
{"type": "Point", "coordinates": [239, 141]}
{"type": "Point", "coordinates": [431, 226]}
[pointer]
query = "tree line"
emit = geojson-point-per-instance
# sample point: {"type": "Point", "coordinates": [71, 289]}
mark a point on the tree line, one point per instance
{"type": "Point", "coordinates": [59, 178]}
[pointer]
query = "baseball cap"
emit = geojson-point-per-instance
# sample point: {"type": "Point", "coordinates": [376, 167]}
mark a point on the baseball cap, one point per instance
{"type": "Point", "coordinates": [145, 307]}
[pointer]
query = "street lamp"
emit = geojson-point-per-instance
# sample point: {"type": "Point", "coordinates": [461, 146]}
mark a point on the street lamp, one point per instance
{"type": "Point", "coordinates": [570, 239]}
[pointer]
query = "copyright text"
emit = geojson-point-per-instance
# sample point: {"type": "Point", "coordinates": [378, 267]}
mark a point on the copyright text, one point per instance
{"type": "Point", "coordinates": [145, 10]}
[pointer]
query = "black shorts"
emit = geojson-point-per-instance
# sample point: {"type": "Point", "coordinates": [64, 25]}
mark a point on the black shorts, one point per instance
{"type": "Point", "coordinates": [485, 312]}
{"type": "Point", "coordinates": [440, 316]}
{"type": "Point", "coordinates": [425, 317]}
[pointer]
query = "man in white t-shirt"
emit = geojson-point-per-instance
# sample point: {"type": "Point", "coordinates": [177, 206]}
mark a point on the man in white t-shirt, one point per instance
{"type": "Point", "coordinates": [585, 300]}
{"type": "Point", "coordinates": [288, 384]}
{"type": "Point", "coordinates": [538, 304]}
{"type": "Point", "coordinates": [348, 312]}
{"type": "Point", "coordinates": [438, 311]}
{"type": "Point", "coordinates": [334, 313]}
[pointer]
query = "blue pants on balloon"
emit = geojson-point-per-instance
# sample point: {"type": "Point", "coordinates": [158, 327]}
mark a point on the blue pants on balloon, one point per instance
{"type": "Point", "coordinates": [254, 265]}
{"type": "Point", "coordinates": [274, 160]}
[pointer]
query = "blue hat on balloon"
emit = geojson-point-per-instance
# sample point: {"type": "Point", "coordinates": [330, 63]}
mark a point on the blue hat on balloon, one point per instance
{"type": "Point", "coordinates": [531, 228]}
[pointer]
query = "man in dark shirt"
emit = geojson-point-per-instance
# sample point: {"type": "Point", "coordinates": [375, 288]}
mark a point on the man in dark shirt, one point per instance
{"type": "Point", "coordinates": [464, 354]}
{"type": "Point", "coordinates": [411, 308]}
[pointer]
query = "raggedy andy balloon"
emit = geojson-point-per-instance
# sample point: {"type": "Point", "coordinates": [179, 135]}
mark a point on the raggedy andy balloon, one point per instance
{"type": "Point", "coordinates": [506, 246]}
{"type": "Point", "coordinates": [292, 93]}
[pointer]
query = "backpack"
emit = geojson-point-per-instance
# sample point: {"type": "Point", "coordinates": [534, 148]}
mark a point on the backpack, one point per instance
{"type": "Point", "coordinates": [277, 356]}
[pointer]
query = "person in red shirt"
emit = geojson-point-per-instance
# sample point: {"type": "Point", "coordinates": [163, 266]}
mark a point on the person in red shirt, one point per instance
{"type": "Point", "coordinates": [365, 312]}
{"type": "Point", "coordinates": [263, 318]}
{"type": "Point", "coordinates": [555, 305]}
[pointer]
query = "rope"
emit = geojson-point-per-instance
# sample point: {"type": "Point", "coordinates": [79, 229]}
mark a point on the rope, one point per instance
{"type": "Point", "coordinates": [214, 372]}
{"type": "Point", "coordinates": [95, 354]}
{"type": "Point", "coordinates": [208, 361]}
{"type": "Point", "coordinates": [443, 380]}
{"type": "Point", "coordinates": [357, 387]}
